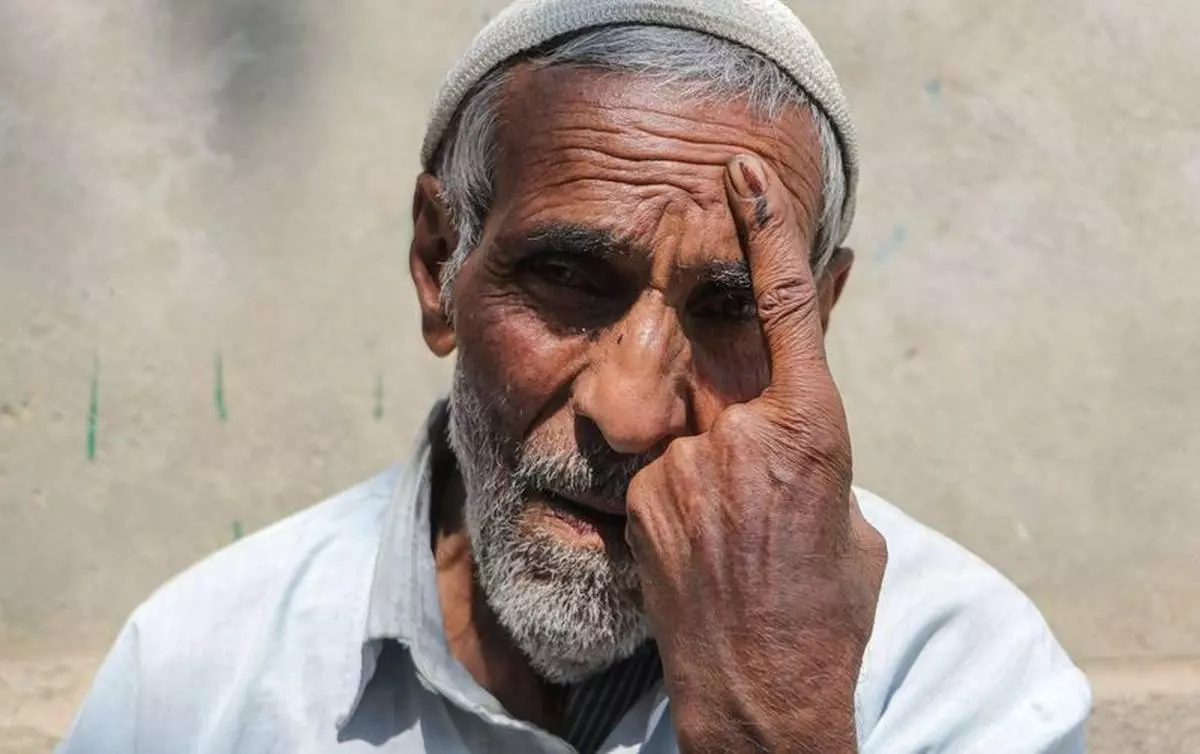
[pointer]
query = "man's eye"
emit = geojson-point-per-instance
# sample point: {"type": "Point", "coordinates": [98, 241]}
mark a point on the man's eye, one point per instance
{"type": "Point", "coordinates": [727, 307]}
{"type": "Point", "coordinates": [560, 273]}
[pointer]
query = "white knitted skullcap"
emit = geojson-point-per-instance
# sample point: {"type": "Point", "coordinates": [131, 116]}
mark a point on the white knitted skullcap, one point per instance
{"type": "Point", "coordinates": [765, 26]}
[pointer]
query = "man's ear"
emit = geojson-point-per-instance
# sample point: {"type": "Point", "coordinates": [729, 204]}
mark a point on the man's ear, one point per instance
{"type": "Point", "coordinates": [833, 282]}
{"type": "Point", "coordinates": [434, 240]}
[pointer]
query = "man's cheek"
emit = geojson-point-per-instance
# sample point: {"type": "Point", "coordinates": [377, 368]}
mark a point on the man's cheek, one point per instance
{"type": "Point", "coordinates": [520, 359]}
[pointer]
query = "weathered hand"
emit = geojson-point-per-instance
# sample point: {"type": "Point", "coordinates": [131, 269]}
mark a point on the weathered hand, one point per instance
{"type": "Point", "coordinates": [759, 573]}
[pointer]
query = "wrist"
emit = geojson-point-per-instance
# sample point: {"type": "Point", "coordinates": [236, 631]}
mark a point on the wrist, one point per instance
{"type": "Point", "coordinates": [721, 733]}
{"type": "Point", "coordinates": [749, 717]}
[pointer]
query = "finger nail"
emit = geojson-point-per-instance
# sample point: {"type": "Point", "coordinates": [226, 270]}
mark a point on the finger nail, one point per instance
{"type": "Point", "coordinates": [748, 177]}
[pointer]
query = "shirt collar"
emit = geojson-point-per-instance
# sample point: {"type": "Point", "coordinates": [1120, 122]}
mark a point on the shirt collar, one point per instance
{"type": "Point", "coordinates": [403, 604]}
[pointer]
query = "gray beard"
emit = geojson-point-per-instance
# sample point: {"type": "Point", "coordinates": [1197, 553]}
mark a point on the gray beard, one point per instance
{"type": "Point", "coordinates": [573, 611]}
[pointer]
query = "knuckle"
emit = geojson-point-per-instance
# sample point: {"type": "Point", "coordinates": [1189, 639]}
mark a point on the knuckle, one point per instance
{"type": "Point", "coordinates": [638, 518]}
{"type": "Point", "coordinates": [641, 490]}
{"type": "Point", "coordinates": [787, 296]}
{"type": "Point", "coordinates": [827, 444]}
{"type": "Point", "coordinates": [736, 422]}
{"type": "Point", "coordinates": [681, 458]}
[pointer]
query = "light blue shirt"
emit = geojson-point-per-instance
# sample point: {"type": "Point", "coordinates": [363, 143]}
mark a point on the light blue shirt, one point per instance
{"type": "Point", "coordinates": [323, 633]}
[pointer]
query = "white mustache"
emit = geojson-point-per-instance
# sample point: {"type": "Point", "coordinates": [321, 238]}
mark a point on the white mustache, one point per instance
{"type": "Point", "coordinates": [602, 473]}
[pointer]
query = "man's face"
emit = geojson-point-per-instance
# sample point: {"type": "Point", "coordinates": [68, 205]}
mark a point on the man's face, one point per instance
{"type": "Point", "coordinates": [606, 311]}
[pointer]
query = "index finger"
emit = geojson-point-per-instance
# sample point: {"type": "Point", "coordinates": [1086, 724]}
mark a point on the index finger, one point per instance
{"type": "Point", "coordinates": [784, 287]}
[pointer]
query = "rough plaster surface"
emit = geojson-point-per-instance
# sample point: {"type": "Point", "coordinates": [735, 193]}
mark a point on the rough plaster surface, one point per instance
{"type": "Point", "coordinates": [184, 184]}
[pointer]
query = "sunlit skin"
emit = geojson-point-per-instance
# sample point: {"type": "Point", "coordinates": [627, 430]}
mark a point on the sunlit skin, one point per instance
{"type": "Point", "coordinates": [625, 293]}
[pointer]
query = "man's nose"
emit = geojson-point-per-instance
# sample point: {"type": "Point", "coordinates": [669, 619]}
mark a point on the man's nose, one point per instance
{"type": "Point", "coordinates": [634, 389]}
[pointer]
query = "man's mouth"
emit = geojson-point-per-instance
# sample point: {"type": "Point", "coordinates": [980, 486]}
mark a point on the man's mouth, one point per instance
{"type": "Point", "coordinates": [583, 517]}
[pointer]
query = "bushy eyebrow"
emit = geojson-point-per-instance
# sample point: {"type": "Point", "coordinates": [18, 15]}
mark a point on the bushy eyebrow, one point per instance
{"type": "Point", "coordinates": [577, 240]}
{"type": "Point", "coordinates": [731, 276]}
{"type": "Point", "coordinates": [726, 276]}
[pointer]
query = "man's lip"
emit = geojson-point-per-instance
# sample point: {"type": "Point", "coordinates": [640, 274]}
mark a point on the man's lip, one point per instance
{"type": "Point", "coordinates": [589, 503]}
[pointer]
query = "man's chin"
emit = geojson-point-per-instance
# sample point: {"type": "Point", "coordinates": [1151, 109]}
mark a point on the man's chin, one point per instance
{"type": "Point", "coordinates": [569, 626]}
{"type": "Point", "coordinates": [566, 591]}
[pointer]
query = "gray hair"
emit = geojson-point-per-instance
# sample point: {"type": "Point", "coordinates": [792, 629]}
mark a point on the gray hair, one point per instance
{"type": "Point", "coordinates": [688, 62]}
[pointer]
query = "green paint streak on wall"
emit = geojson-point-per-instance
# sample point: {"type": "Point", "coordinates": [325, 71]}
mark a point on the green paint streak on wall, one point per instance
{"type": "Point", "coordinates": [219, 387]}
{"type": "Point", "coordinates": [237, 530]}
{"type": "Point", "coordinates": [93, 411]}
{"type": "Point", "coordinates": [378, 397]}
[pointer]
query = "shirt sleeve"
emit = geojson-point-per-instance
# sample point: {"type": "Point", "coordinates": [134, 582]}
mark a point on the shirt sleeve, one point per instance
{"type": "Point", "coordinates": [107, 721]}
{"type": "Point", "coordinates": [978, 676]}
{"type": "Point", "coordinates": [1048, 719]}
{"type": "Point", "coordinates": [985, 703]}
{"type": "Point", "coordinates": [961, 661]}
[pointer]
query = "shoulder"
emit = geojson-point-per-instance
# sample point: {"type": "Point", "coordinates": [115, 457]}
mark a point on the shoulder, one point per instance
{"type": "Point", "coordinates": [276, 562]}
{"type": "Point", "coordinates": [959, 654]}
{"type": "Point", "coordinates": [238, 605]}
{"type": "Point", "coordinates": [237, 633]}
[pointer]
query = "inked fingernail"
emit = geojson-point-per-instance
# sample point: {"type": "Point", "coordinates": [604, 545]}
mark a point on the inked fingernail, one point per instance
{"type": "Point", "coordinates": [748, 177]}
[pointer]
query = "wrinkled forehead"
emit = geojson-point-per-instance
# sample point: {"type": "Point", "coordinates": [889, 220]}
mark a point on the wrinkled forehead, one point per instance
{"type": "Point", "coordinates": [578, 137]}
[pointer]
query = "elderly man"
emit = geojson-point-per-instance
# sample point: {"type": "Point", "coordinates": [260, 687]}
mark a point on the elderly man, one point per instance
{"type": "Point", "coordinates": [632, 526]}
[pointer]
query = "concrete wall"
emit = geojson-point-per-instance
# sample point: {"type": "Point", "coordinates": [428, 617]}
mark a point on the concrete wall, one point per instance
{"type": "Point", "coordinates": [205, 317]}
